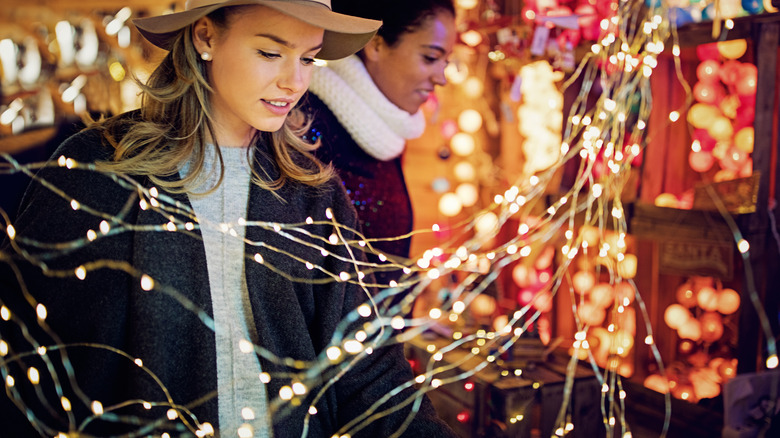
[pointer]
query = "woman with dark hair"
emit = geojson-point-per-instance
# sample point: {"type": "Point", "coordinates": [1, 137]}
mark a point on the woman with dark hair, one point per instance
{"type": "Point", "coordinates": [366, 106]}
{"type": "Point", "coordinates": [190, 269]}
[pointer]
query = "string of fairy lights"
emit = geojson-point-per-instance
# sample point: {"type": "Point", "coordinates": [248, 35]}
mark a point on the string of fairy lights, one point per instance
{"type": "Point", "coordinates": [613, 131]}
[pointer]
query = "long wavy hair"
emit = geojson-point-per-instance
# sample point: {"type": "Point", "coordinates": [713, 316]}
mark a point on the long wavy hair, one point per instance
{"type": "Point", "coordinates": [175, 123]}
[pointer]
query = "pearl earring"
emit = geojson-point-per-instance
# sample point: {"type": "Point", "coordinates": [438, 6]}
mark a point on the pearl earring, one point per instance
{"type": "Point", "coordinates": [206, 56]}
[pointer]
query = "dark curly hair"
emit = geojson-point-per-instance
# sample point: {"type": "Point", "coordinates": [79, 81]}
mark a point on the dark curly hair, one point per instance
{"type": "Point", "coordinates": [398, 16]}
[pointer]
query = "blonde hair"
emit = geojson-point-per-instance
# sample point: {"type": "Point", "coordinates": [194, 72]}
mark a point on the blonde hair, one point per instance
{"type": "Point", "coordinates": [175, 121]}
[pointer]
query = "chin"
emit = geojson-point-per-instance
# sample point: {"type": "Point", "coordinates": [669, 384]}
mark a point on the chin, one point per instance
{"type": "Point", "coordinates": [270, 126]}
{"type": "Point", "coordinates": [413, 106]}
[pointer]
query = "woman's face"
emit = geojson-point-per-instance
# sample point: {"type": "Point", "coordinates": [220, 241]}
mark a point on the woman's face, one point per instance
{"type": "Point", "coordinates": [408, 72]}
{"type": "Point", "coordinates": [260, 66]}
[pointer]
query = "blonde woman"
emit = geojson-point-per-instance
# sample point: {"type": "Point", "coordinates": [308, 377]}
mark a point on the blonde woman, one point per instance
{"type": "Point", "coordinates": [175, 273]}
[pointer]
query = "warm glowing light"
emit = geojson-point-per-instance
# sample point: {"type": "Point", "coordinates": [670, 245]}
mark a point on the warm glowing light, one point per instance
{"type": "Point", "coordinates": [353, 347]}
{"type": "Point", "coordinates": [299, 388]}
{"type": "Point", "coordinates": [364, 310]}
{"type": "Point", "coordinates": [147, 283]}
{"type": "Point", "coordinates": [286, 393]}
{"type": "Point", "coordinates": [471, 37]}
{"type": "Point", "coordinates": [470, 121]}
{"type": "Point", "coordinates": [450, 205]}
{"type": "Point", "coordinates": [468, 4]}
{"type": "Point", "coordinates": [33, 375]}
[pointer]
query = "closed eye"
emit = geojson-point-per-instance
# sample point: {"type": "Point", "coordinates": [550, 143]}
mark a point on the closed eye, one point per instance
{"type": "Point", "coordinates": [269, 55]}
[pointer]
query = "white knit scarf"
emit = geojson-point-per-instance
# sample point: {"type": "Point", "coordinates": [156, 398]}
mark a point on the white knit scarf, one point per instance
{"type": "Point", "coordinates": [378, 126]}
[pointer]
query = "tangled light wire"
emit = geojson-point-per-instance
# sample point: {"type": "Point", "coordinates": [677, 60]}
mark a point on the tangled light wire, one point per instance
{"type": "Point", "coordinates": [621, 63]}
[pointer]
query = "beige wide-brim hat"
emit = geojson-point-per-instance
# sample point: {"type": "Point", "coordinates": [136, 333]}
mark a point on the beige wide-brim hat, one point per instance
{"type": "Point", "coordinates": [344, 34]}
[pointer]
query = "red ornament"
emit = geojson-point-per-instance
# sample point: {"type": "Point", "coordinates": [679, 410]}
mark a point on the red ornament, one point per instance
{"type": "Point", "coordinates": [706, 141]}
{"type": "Point", "coordinates": [588, 21]}
{"type": "Point", "coordinates": [708, 51]}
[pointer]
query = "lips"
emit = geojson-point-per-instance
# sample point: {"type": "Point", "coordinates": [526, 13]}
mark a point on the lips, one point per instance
{"type": "Point", "coordinates": [278, 106]}
{"type": "Point", "coordinates": [425, 93]}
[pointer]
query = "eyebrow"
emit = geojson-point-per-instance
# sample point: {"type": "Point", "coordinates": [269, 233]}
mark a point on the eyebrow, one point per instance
{"type": "Point", "coordinates": [435, 47]}
{"type": "Point", "coordinates": [284, 42]}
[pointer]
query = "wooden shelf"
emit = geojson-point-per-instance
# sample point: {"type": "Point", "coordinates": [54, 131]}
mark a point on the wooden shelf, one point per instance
{"type": "Point", "coordinates": [693, 34]}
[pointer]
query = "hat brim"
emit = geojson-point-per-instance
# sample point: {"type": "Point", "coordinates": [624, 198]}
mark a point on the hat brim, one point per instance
{"type": "Point", "coordinates": [344, 34]}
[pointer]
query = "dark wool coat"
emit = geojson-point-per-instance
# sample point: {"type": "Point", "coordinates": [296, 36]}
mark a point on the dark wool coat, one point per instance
{"type": "Point", "coordinates": [163, 327]}
{"type": "Point", "coordinates": [377, 188]}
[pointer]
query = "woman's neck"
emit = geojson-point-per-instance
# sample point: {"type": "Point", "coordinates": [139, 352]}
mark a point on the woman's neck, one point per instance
{"type": "Point", "coordinates": [233, 139]}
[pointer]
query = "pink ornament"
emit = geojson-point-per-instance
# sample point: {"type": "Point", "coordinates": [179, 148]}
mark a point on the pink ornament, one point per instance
{"type": "Point", "coordinates": [627, 321]}
{"type": "Point", "coordinates": [730, 72]}
{"type": "Point", "coordinates": [602, 295]}
{"type": "Point", "coordinates": [686, 296]}
{"type": "Point", "coordinates": [525, 296]}
{"type": "Point", "coordinates": [686, 199]}
{"type": "Point", "coordinates": [701, 161]}
{"type": "Point", "coordinates": [583, 281]}
{"type": "Point", "coordinates": [591, 314]}
{"type": "Point", "coordinates": [545, 259]}
{"type": "Point", "coordinates": [684, 391]}
{"type": "Point", "coordinates": [448, 129]}
{"type": "Point", "coordinates": [625, 293]}
{"type": "Point", "coordinates": [707, 298]}
{"type": "Point", "coordinates": [707, 92]}
{"type": "Point", "coordinates": [542, 301]}
{"type": "Point", "coordinates": [691, 329]}
{"type": "Point", "coordinates": [747, 169]}
{"type": "Point", "coordinates": [747, 83]}
{"type": "Point", "coordinates": [657, 383]}
{"type": "Point", "coordinates": [676, 315]}
{"type": "Point", "coordinates": [524, 276]}
{"type": "Point", "coordinates": [734, 159]}
{"type": "Point", "coordinates": [708, 71]}
{"type": "Point", "coordinates": [483, 305]}
{"type": "Point", "coordinates": [728, 301]}
{"type": "Point", "coordinates": [728, 369]}
{"type": "Point", "coordinates": [711, 326]}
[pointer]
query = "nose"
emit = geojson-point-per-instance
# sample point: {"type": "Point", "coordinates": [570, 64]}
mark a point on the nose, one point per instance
{"type": "Point", "coordinates": [294, 76]}
{"type": "Point", "coordinates": [438, 77]}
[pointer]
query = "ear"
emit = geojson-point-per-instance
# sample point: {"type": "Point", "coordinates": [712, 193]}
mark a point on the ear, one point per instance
{"type": "Point", "coordinates": [373, 50]}
{"type": "Point", "coordinates": [204, 35]}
